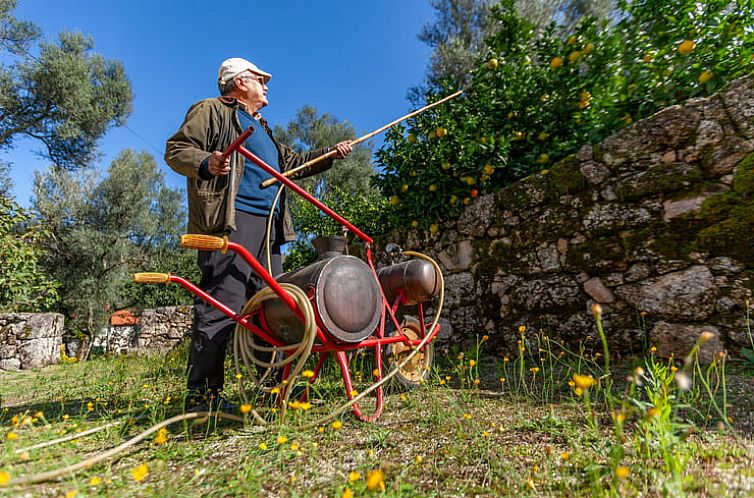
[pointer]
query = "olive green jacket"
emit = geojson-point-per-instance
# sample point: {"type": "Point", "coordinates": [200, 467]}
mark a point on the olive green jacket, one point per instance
{"type": "Point", "coordinates": [212, 125]}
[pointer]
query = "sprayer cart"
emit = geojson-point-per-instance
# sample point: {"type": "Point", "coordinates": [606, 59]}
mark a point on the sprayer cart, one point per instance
{"type": "Point", "coordinates": [335, 306]}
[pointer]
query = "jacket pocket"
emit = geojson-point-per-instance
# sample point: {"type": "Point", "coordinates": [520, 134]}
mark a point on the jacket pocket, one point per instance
{"type": "Point", "coordinates": [209, 209]}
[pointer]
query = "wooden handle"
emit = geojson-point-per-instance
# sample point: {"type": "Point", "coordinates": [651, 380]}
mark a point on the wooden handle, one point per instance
{"type": "Point", "coordinates": [204, 242]}
{"type": "Point", "coordinates": [152, 278]}
{"type": "Point", "coordinates": [369, 135]}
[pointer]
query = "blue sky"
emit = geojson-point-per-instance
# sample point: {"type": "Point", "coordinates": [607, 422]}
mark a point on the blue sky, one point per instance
{"type": "Point", "coordinates": [354, 59]}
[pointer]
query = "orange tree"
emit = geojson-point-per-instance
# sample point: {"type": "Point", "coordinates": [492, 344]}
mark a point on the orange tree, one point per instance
{"type": "Point", "coordinates": [537, 96]}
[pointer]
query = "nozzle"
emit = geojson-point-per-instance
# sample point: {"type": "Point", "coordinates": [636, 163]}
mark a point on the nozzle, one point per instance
{"type": "Point", "coordinates": [152, 278]}
{"type": "Point", "coordinates": [204, 242]}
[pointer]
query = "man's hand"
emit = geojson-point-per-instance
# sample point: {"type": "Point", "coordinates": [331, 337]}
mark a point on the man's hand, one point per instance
{"type": "Point", "coordinates": [217, 166]}
{"type": "Point", "coordinates": [342, 149]}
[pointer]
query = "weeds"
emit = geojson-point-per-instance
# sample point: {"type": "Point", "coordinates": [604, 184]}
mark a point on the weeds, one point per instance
{"type": "Point", "coordinates": [557, 420]}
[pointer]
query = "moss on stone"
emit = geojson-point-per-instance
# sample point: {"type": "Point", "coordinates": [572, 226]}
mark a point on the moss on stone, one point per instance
{"type": "Point", "coordinates": [662, 178]}
{"type": "Point", "coordinates": [743, 182]}
{"type": "Point", "coordinates": [565, 178]}
{"type": "Point", "coordinates": [583, 256]}
{"type": "Point", "coordinates": [729, 218]}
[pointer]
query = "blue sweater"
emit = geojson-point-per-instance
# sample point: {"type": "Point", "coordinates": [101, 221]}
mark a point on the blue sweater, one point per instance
{"type": "Point", "coordinates": [251, 198]}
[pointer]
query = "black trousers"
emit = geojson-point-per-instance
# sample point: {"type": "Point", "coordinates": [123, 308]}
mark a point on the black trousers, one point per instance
{"type": "Point", "coordinates": [230, 280]}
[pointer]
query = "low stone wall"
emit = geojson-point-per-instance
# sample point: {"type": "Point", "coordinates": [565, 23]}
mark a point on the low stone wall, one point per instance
{"type": "Point", "coordinates": [656, 224]}
{"type": "Point", "coordinates": [161, 329]}
{"type": "Point", "coordinates": [30, 340]}
{"type": "Point", "coordinates": [156, 331]}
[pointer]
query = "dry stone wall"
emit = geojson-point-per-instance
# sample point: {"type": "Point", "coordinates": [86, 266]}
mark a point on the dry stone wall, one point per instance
{"type": "Point", "coordinates": [157, 330]}
{"type": "Point", "coordinates": [30, 340]}
{"type": "Point", "coordinates": [656, 224]}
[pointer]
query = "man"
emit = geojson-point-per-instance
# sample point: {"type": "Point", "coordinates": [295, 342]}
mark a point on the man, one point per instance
{"type": "Point", "coordinates": [225, 198]}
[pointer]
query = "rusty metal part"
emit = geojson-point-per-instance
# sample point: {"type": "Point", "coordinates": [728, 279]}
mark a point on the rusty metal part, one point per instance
{"type": "Point", "coordinates": [415, 278]}
{"type": "Point", "coordinates": [345, 297]}
{"type": "Point", "coordinates": [329, 247]}
{"type": "Point", "coordinates": [416, 370]}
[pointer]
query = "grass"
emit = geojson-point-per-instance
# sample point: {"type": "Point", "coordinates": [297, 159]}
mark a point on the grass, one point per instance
{"type": "Point", "coordinates": [540, 432]}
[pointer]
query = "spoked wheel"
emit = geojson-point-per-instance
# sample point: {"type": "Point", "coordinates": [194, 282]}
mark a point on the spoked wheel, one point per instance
{"type": "Point", "coordinates": [418, 368]}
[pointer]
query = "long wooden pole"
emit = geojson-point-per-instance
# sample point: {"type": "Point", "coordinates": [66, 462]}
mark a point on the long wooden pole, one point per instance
{"type": "Point", "coordinates": [331, 153]}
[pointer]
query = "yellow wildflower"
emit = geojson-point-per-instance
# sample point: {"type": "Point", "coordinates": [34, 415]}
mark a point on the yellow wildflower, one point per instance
{"type": "Point", "coordinates": [472, 363]}
{"type": "Point", "coordinates": [305, 405]}
{"type": "Point", "coordinates": [337, 425]}
{"type": "Point", "coordinates": [65, 417]}
{"type": "Point", "coordinates": [347, 493]}
{"type": "Point", "coordinates": [140, 472]}
{"type": "Point", "coordinates": [262, 446]}
{"type": "Point", "coordinates": [295, 446]}
{"type": "Point", "coordinates": [282, 440]}
{"type": "Point", "coordinates": [706, 336]}
{"type": "Point", "coordinates": [4, 478]}
{"type": "Point", "coordinates": [578, 391]}
{"type": "Point", "coordinates": [583, 381]}
{"type": "Point", "coordinates": [596, 310]}
{"type": "Point", "coordinates": [90, 406]}
{"type": "Point", "coordinates": [705, 77]}
{"type": "Point", "coordinates": [467, 416]}
{"type": "Point", "coordinates": [376, 480]}
{"type": "Point", "coordinates": [376, 372]}
{"type": "Point", "coordinates": [652, 412]}
{"type": "Point", "coordinates": [477, 382]}
{"type": "Point", "coordinates": [354, 392]}
{"type": "Point", "coordinates": [418, 459]}
{"type": "Point", "coordinates": [574, 56]}
{"type": "Point", "coordinates": [245, 408]}
{"type": "Point", "coordinates": [588, 48]}
{"type": "Point", "coordinates": [239, 376]}
{"type": "Point", "coordinates": [521, 329]}
{"type": "Point", "coordinates": [653, 349]}
{"type": "Point", "coordinates": [275, 390]}
{"type": "Point", "coordinates": [502, 380]}
{"type": "Point", "coordinates": [162, 436]}
{"type": "Point", "coordinates": [95, 481]}
{"type": "Point", "coordinates": [354, 476]}
{"type": "Point", "coordinates": [543, 158]}
{"type": "Point", "coordinates": [622, 472]}
{"type": "Point", "coordinates": [71, 493]}
{"type": "Point", "coordinates": [572, 40]}
{"type": "Point", "coordinates": [307, 374]}
{"type": "Point", "coordinates": [12, 436]}
{"type": "Point", "coordinates": [556, 62]}
{"type": "Point", "coordinates": [565, 456]}
{"type": "Point", "coordinates": [485, 434]}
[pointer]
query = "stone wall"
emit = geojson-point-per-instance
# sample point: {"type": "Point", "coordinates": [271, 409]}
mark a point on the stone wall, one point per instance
{"type": "Point", "coordinates": [156, 331]}
{"type": "Point", "coordinates": [30, 340]}
{"type": "Point", "coordinates": [161, 329]}
{"type": "Point", "coordinates": [656, 224]}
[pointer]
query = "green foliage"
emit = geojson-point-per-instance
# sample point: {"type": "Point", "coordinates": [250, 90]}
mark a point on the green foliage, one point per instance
{"type": "Point", "coordinates": [66, 96]}
{"type": "Point", "coordinates": [164, 259]}
{"type": "Point", "coordinates": [537, 96]}
{"type": "Point", "coordinates": [103, 231]}
{"type": "Point", "coordinates": [24, 284]}
{"type": "Point", "coordinates": [346, 187]}
{"type": "Point", "coordinates": [367, 211]}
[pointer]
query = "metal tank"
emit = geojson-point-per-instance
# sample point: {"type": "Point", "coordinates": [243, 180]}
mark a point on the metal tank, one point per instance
{"type": "Point", "coordinates": [343, 291]}
{"type": "Point", "coordinates": [415, 279]}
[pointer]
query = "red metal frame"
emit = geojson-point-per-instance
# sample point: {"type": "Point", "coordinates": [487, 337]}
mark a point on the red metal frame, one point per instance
{"type": "Point", "coordinates": [325, 345]}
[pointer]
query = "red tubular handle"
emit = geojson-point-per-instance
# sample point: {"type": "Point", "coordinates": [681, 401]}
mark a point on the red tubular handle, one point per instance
{"type": "Point", "coordinates": [238, 141]}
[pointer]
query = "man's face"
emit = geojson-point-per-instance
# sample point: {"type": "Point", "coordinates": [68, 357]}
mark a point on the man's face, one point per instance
{"type": "Point", "coordinates": [253, 90]}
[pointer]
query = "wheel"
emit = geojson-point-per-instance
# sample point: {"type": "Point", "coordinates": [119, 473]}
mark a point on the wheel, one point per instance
{"type": "Point", "coordinates": [418, 368]}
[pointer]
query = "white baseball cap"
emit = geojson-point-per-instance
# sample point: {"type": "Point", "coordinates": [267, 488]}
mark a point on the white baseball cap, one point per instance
{"type": "Point", "coordinates": [234, 66]}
